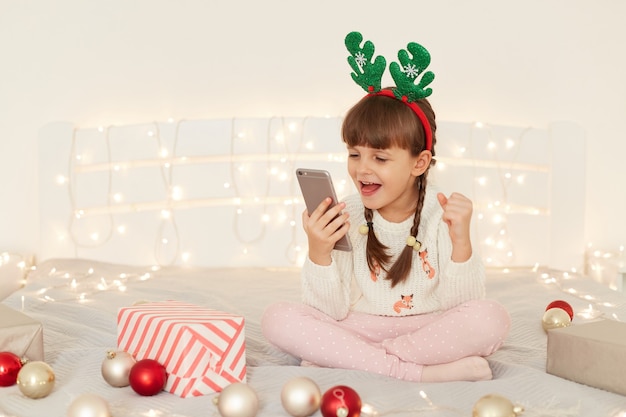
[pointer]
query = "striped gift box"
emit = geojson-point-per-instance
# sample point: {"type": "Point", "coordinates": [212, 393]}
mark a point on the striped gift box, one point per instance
{"type": "Point", "coordinates": [203, 350]}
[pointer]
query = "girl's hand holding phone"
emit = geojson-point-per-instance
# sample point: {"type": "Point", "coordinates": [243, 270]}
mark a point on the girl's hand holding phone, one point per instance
{"type": "Point", "coordinates": [324, 227]}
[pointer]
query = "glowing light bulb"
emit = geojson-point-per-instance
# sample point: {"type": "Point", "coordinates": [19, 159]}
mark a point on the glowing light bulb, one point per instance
{"type": "Point", "coordinates": [177, 193]}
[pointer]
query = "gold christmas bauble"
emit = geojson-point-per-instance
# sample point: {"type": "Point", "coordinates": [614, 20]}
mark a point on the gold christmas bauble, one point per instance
{"type": "Point", "coordinates": [554, 318]}
{"type": "Point", "coordinates": [494, 405]}
{"type": "Point", "coordinates": [36, 379]}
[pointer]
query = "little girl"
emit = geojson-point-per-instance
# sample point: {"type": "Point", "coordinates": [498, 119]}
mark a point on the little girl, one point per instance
{"type": "Point", "coordinates": [408, 300]}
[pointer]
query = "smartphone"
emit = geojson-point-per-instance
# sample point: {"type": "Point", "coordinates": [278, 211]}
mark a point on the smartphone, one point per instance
{"type": "Point", "coordinates": [316, 185]}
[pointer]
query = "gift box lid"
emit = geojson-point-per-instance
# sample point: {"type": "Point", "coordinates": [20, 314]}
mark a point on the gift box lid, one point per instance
{"type": "Point", "coordinates": [603, 331]}
{"type": "Point", "coordinates": [14, 318]}
{"type": "Point", "coordinates": [20, 334]}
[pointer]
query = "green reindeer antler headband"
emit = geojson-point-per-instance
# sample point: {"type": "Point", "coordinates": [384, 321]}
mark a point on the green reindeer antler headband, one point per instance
{"type": "Point", "coordinates": [368, 74]}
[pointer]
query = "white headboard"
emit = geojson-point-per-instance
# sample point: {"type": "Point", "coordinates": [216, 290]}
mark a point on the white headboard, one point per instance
{"type": "Point", "coordinates": [223, 192]}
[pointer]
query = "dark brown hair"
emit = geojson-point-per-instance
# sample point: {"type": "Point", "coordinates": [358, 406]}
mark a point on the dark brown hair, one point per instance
{"type": "Point", "coordinates": [383, 122]}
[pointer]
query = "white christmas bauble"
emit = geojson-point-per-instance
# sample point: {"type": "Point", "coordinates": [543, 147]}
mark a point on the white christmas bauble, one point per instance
{"type": "Point", "coordinates": [301, 397]}
{"type": "Point", "coordinates": [238, 400]}
{"type": "Point", "coordinates": [88, 405]}
{"type": "Point", "coordinates": [116, 368]}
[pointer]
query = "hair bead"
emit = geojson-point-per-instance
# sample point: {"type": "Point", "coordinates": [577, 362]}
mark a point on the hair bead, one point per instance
{"type": "Point", "coordinates": [414, 243]}
{"type": "Point", "coordinates": [365, 228]}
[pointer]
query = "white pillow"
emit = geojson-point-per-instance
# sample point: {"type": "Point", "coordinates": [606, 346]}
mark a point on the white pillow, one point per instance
{"type": "Point", "coordinates": [13, 270]}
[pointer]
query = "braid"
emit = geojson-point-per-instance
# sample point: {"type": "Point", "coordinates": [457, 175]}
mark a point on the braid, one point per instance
{"type": "Point", "coordinates": [402, 267]}
{"type": "Point", "coordinates": [376, 252]}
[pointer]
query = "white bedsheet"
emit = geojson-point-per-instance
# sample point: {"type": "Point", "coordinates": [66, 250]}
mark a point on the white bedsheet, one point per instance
{"type": "Point", "coordinates": [77, 335]}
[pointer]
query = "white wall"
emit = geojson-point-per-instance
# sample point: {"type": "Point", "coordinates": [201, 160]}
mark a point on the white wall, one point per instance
{"type": "Point", "coordinates": [119, 61]}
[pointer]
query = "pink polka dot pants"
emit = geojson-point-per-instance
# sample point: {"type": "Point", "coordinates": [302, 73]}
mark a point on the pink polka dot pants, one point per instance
{"type": "Point", "coordinates": [394, 346]}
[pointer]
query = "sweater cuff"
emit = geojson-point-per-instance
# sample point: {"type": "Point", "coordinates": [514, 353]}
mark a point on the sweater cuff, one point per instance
{"type": "Point", "coordinates": [463, 269]}
{"type": "Point", "coordinates": [318, 271]}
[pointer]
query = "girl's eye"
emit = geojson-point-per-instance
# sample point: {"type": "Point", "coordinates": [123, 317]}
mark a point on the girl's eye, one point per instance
{"type": "Point", "coordinates": [353, 155]}
{"type": "Point", "coordinates": [379, 159]}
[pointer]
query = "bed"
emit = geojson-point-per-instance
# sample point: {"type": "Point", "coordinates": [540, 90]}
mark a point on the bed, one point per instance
{"type": "Point", "coordinates": [207, 212]}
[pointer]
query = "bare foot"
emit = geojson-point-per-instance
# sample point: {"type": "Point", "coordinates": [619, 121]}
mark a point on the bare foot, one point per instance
{"type": "Point", "coordinates": [472, 368]}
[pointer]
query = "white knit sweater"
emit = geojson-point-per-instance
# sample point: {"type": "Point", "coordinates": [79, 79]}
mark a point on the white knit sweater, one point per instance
{"type": "Point", "coordinates": [434, 285]}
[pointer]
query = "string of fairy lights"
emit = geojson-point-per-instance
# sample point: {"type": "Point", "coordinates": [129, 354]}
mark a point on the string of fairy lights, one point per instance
{"type": "Point", "coordinates": [278, 163]}
{"type": "Point", "coordinates": [285, 144]}
{"type": "Point", "coordinates": [269, 156]}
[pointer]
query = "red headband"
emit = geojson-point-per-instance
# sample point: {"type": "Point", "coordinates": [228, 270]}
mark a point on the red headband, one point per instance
{"type": "Point", "coordinates": [418, 111]}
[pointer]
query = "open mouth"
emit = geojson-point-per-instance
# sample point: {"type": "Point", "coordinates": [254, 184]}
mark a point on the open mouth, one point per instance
{"type": "Point", "coordinates": [369, 188]}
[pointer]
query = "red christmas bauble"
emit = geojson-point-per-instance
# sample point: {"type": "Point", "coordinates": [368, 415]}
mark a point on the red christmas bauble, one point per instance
{"type": "Point", "coordinates": [10, 365]}
{"type": "Point", "coordinates": [340, 401]}
{"type": "Point", "coordinates": [564, 305]}
{"type": "Point", "coordinates": [147, 377]}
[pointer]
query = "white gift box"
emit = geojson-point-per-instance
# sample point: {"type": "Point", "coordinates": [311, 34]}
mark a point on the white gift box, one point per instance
{"type": "Point", "coordinates": [590, 353]}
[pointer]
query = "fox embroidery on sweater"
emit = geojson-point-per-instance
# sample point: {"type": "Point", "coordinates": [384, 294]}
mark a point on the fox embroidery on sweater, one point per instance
{"type": "Point", "coordinates": [406, 301]}
{"type": "Point", "coordinates": [426, 266]}
{"type": "Point", "coordinates": [376, 272]}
